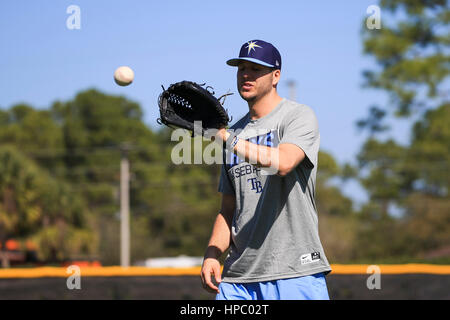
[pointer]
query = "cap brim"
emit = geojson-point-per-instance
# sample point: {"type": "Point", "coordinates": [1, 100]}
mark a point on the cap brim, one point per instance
{"type": "Point", "coordinates": [235, 62]}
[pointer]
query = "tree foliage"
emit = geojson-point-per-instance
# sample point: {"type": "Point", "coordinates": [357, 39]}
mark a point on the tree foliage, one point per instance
{"type": "Point", "coordinates": [407, 185]}
{"type": "Point", "coordinates": [32, 203]}
{"type": "Point", "coordinates": [411, 50]}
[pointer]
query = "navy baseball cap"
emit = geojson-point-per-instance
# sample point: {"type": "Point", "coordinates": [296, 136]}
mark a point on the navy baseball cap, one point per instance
{"type": "Point", "coordinates": [260, 52]}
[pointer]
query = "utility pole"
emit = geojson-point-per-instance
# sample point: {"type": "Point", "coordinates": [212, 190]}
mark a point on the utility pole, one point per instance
{"type": "Point", "coordinates": [292, 90]}
{"type": "Point", "coordinates": [124, 208]}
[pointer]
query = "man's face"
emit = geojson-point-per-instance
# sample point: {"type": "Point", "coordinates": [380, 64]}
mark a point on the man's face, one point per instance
{"type": "Point", "coordinates": [255, 81]}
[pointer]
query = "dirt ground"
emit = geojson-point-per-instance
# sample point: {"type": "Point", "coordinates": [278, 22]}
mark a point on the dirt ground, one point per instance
{"type": "Point", "coordinates": [341, 287]}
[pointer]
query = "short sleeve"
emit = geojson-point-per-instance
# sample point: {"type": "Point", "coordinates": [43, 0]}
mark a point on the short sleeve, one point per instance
{"type": "Point", "coordinates": [301, 128]}
{"type": "Point", "coordinates": [225, 185]}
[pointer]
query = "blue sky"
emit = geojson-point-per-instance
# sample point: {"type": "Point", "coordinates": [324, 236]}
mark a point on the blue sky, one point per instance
{"type": "Point", "coordinates": [168, 41]}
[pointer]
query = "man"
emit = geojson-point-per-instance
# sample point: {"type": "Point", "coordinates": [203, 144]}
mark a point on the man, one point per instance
{"type": "Point", "coordinates": [268, 217]}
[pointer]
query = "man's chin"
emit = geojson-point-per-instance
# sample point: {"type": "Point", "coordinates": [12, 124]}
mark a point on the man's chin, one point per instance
{"type": "Point", "coordinates": [247, 96]}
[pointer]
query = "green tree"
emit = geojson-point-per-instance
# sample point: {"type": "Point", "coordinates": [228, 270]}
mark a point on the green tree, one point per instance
{"type": "Point", "coordinates": [411, 52]}
{"type": "Point", "coordinates": [35, 133]}
{"type": "Point", "coordinates": [337, 217]}
{"type": "Point", "coordinates": [32, 204]}
{"type": "Point", "coordinates": [19, 208]}
{"type": "Point", "coordinates": [427, 206]}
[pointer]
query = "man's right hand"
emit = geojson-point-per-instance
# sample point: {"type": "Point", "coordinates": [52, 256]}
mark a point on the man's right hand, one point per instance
{"type": "Point", "coordinates": [218, 243]}
{"type": "Point", "coordinates": [210, 267]}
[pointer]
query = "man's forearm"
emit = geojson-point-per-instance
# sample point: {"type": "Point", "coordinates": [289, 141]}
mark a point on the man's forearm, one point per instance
{"type": "Point", "coordinates": [259, 155]}
{"type": "Point", "coordinates": [280, 160]}
{"type": "Point", "coordinates": [220, 238]}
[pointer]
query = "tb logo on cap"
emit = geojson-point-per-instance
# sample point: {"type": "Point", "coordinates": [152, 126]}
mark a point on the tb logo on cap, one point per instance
{"type": "Point", "coordinates": [252, 46]}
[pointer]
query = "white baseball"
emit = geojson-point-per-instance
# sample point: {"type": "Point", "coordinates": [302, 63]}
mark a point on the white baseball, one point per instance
{"type": "Point", "coordinates": [124, 76]}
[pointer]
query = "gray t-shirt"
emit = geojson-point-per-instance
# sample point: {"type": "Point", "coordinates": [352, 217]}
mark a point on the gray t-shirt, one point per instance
{"type": "Point", "coordinates": [274, 232]}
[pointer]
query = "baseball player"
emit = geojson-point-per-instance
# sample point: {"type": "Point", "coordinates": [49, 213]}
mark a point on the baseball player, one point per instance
{"type": "Point", "coordinates": [268, 218]}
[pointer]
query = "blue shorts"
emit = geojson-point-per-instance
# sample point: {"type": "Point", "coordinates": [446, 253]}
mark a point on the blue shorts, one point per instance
{"type": "Point", "coordinates": [313, 287]}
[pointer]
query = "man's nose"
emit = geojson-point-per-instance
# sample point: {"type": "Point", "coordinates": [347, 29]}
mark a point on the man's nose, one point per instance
{"type": "Point", "coordinates": [245, 75]}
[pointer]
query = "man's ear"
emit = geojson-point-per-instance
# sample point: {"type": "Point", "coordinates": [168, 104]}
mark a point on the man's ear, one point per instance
{"type": "Point", "coordinates": [276, 75]}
